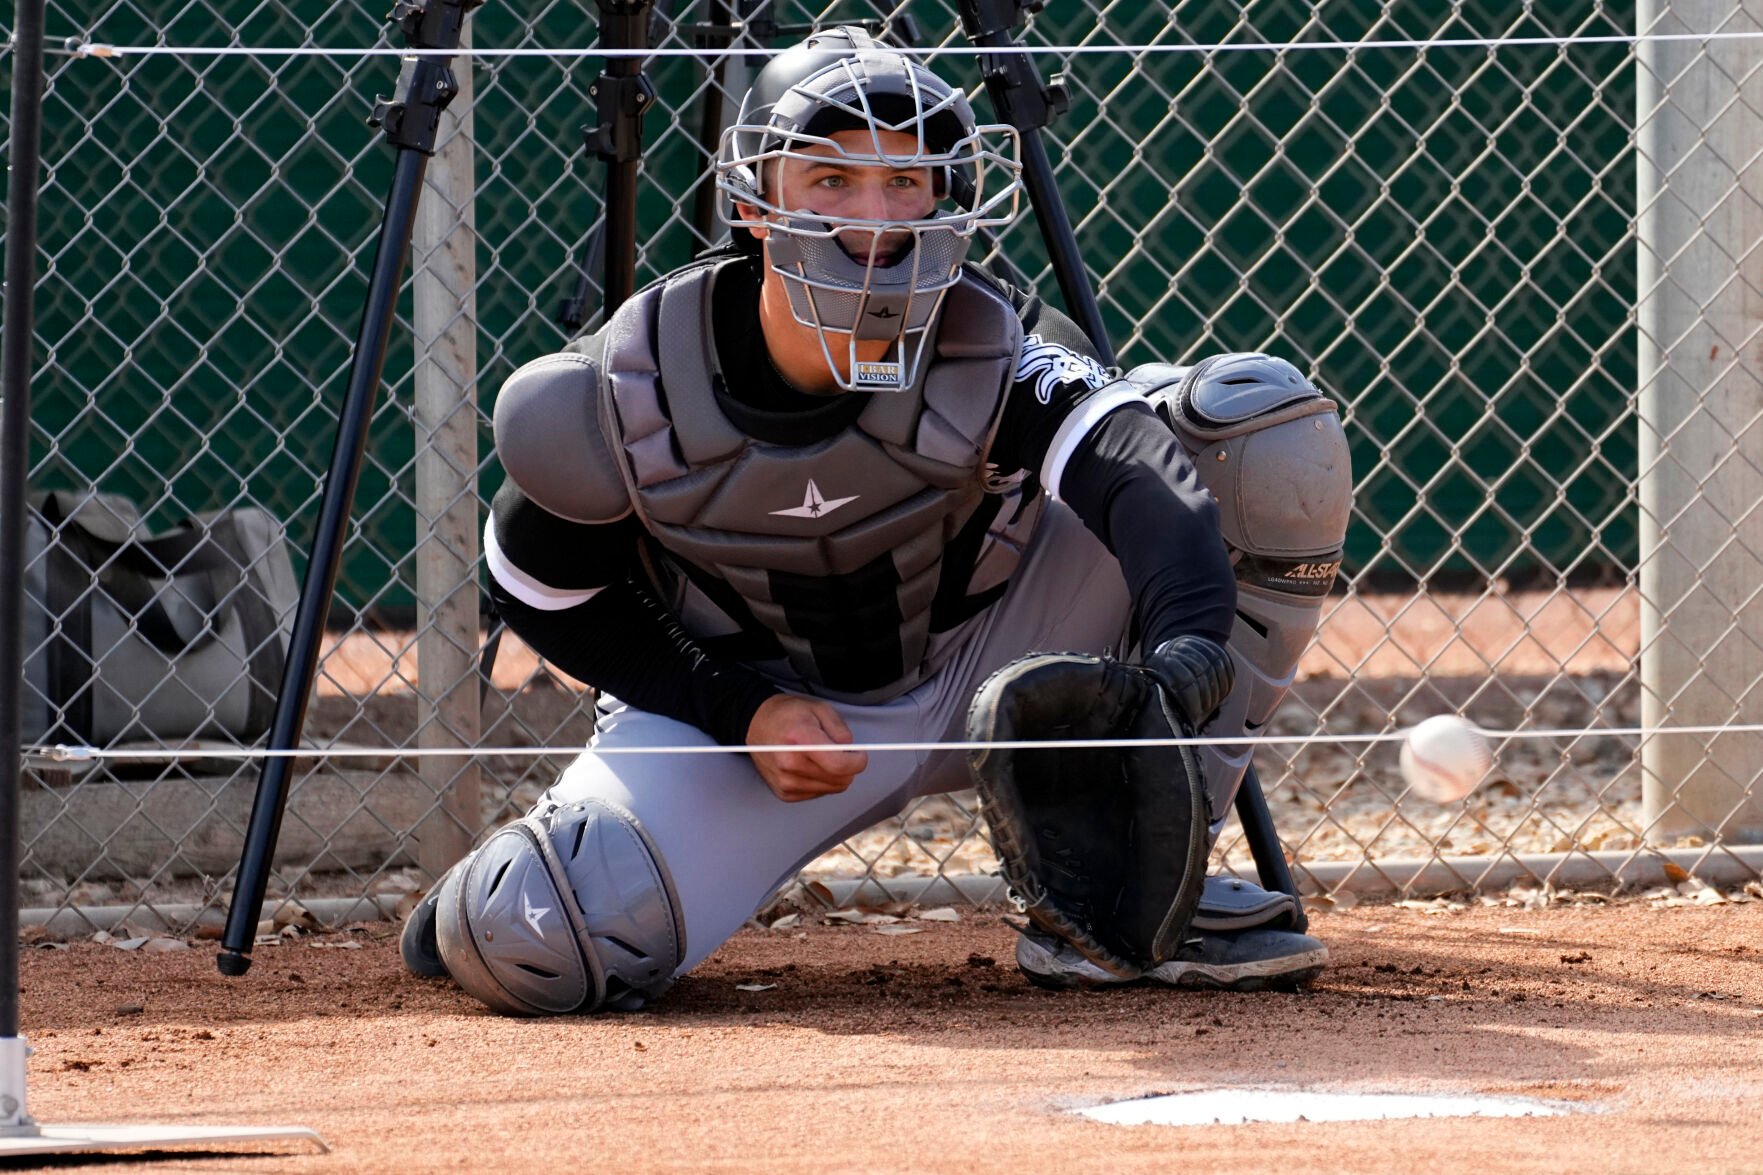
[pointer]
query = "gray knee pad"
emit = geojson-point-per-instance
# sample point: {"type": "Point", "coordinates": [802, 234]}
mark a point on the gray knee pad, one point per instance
{"type": "Point", "coordinates": [568, 911]}
{"type": "Point", "coordinates": [1271, 449]}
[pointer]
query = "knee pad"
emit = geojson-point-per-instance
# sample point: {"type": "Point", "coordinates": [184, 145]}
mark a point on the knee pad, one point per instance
{"type": "Point", "coordinates": [1271, 449]}
{"type": "Point", "coordinates": [568, 911]}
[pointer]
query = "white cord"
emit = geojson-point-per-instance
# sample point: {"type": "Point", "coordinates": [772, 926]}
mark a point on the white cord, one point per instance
{"type": "Point", "coordinates": [62, 753]}
{"type": "Point", "coordinates": [79, 48]}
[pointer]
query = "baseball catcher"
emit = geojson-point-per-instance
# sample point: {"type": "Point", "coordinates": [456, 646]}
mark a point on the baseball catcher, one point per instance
{"type": "Point", "coordinates": [834, 483]}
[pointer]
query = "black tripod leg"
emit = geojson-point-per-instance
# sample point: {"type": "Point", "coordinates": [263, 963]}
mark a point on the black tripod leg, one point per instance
{"type": "Point", "coordinates": [410, 119]}
{"type": "Point", "coordinates": [622, 94]}
{"type": "Point", "coordinates": [710, 127]}
{"type": "Point", "coordinates": [1264, 846]}
{"type": "Point", "coordinates": [15, 419]}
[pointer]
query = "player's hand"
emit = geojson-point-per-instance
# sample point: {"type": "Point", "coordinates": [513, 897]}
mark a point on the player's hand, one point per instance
{"type": "Point", "coordinates": [803, 775]}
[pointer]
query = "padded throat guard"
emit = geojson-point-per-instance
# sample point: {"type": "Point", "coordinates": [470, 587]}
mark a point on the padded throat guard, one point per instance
{"type": "Point", "coordinates": [1104, 847]}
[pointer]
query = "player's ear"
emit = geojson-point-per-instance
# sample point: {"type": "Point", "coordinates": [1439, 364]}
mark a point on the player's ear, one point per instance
{"type": "Point", "coordinates": [753, 222]}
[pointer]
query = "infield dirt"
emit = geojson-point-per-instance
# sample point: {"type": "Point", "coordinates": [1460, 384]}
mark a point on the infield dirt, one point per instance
{"type": "Point", "coordinates": [927, 1052]}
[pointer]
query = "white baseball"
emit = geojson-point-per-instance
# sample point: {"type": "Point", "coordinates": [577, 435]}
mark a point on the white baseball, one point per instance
{"type": "Point", "coordinates": [1445, 757]}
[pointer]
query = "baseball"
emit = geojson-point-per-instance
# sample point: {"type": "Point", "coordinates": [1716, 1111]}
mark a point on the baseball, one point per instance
{"type": "Point", "coordinates": [1445, 757]}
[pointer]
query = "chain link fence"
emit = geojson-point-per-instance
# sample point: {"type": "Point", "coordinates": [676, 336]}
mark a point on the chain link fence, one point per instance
{"type": "Point", "coordinates": [1461, 243]}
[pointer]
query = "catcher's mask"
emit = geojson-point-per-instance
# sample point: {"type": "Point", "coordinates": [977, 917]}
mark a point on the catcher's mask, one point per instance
{"type": "Point", "coordinates": [844, 80]}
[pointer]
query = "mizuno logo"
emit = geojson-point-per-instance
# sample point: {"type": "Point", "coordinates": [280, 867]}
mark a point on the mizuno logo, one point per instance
{"type": "Point", "coordinates": [813, 505]}
{"type": "Point", "coordinates": [533, 913]}
{"type": "Point", "coordinates": [884, 312]}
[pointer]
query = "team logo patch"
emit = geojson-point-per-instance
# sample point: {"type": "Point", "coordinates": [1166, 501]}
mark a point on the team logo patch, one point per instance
{"type": "Point", "coordinates": [1050, 365]}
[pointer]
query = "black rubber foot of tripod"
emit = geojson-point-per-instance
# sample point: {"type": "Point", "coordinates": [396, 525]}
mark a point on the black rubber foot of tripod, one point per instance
{"type": "Point", "coordinates": [232, 963]}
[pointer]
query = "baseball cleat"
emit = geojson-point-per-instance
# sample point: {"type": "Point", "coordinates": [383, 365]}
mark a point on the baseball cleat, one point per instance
{"type": "Point", "coordinates": [1241, 960]}
{"type": "Point", "coordinates": [1049, 961]}
{"type": "Point", "coordinates": [422, 954]}
{"type": "Point", "coordinates": [1244, 960]}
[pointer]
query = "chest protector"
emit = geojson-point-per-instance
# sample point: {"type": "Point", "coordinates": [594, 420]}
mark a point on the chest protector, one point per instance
{"type": "Point", "coordinates": [838, 547]}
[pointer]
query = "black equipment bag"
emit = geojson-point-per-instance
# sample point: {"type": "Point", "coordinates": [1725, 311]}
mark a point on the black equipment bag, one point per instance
{"type": "Point", "coordinates": [164, 637]}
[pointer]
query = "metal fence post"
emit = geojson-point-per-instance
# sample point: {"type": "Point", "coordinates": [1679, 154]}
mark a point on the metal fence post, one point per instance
{"type": "Point", "coordinates": [1698, 123]}
{"type": "Point", "coordinates": [443, 252]}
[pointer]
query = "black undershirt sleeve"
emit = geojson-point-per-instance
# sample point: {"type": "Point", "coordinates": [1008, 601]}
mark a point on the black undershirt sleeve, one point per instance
{"type": "Point", "coordinates": [1132, 484]}
{"type": "Point", "coordinates": [621, 639]}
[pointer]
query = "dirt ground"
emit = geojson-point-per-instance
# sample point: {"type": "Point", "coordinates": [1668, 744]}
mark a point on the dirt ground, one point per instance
{"type": "Point", "coordinates": [915, 1046]}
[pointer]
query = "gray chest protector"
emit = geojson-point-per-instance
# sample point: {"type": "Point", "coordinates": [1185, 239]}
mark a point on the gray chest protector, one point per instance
{"type": "Point", "coordinates": [838, 548]}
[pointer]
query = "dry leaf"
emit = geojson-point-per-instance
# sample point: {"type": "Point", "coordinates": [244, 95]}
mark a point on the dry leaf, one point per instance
{"type": "Point", "coordinates": [941, 914]}
{"type": "Point", "coordinates": [293, 914]}
{"type": "Point", "coordinates": [1677, 873]}
{"type": "Point", "coordinates": [130, 944]}
{"type": "Point", "coordinates": [786, 922]}
{"type": "Point", "coordinates": [844, 916]}
{"type": "Point", "coordinates": [898, 930]}
{"type": "Point", "coordinates": [754, 986]}
{"type": "Point", "coordinates": [159, 946]}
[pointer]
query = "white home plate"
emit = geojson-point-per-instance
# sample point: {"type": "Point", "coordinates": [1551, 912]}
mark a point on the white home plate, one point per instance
{"type": "Point", "coordinates": [49, 1140]}
{"type": "Point", "coordinates": [1234, 1107]}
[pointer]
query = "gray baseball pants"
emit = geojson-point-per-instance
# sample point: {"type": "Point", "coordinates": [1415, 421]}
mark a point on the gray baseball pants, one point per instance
{"type": "Point", "coordinates": [730, 844]}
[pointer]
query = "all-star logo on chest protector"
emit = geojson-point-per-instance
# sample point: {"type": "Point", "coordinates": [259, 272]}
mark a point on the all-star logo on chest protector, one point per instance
{"type": "Point", "coordinates": [835, 547]}
{"type": "Point", "coordinates": [814, 505]}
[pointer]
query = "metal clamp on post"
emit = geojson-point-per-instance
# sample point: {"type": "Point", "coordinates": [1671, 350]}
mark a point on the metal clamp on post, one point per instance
{"type": "Point", "coordinates": [619, 106]}
{"type": "Point", "coordinates": [622, 95]}
{"type": "Point", "coordinates": [1012, 81]}
{"type": "Point", "coordinates": [411, 117]}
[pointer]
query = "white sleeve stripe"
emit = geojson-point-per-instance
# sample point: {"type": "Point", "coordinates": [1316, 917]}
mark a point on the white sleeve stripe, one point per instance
{"type": "Point", "coordinates": [1075, 427]}
{"type": "Point", "coordinates": [524, 587]}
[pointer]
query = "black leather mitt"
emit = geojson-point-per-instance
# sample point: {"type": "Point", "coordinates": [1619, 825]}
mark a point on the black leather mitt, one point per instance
{"type": "Point", "coordinates": [1103, 847]}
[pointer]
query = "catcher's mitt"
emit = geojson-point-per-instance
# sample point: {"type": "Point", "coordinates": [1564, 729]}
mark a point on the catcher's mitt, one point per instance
{"type": "Point", "coordinates": [1105, 848]}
